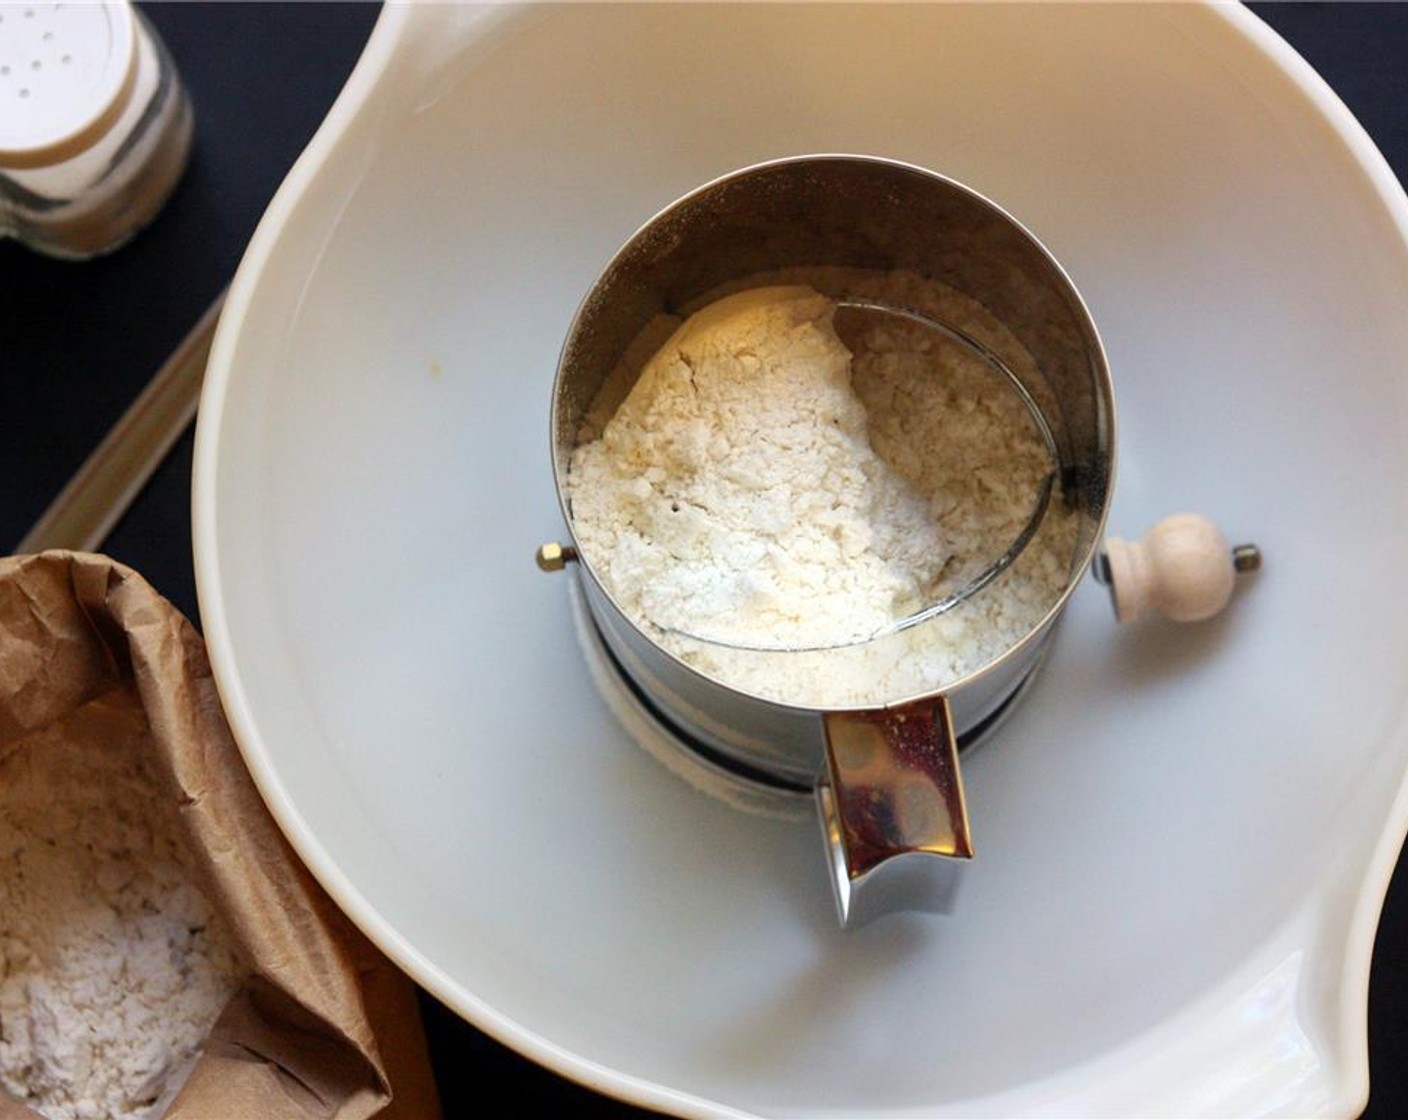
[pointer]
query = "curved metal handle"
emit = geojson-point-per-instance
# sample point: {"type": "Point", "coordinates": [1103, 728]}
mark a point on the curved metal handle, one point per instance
{"type": "Point", "coordinates": [893, 815]}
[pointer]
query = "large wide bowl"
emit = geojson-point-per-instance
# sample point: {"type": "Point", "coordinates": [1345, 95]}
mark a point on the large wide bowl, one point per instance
{"type": "Point", "coordinates": [1183, 835]}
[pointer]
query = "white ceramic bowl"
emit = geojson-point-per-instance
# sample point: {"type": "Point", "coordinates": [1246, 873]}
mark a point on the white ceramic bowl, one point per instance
{"type": "Point", "coordinates": [1184, 835]}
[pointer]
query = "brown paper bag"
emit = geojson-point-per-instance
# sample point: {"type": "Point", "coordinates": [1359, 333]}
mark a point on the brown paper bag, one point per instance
{"type": "Point", "coordinates": [324, 1026]}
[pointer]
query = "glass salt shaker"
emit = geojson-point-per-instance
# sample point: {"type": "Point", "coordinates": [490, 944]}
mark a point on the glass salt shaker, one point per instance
{"type": "Point", "coordinates": [95, 125]}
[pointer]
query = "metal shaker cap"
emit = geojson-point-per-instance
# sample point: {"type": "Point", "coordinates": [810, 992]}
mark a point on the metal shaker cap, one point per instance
{"type": "Point", "coordinates": [67, 72]}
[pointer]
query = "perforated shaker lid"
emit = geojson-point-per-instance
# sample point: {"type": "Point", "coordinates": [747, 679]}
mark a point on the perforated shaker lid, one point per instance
{"type": "Point", "coordinates": [66, 73]}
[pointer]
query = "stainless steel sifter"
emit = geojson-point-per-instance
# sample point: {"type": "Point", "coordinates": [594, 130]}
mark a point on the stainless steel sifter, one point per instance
{"type": "Point", "coordinates": [886, 776]}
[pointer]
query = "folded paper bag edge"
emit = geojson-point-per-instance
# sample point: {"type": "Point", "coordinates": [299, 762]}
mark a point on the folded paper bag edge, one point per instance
{"type": "Point", "coordinates": [294, 939]}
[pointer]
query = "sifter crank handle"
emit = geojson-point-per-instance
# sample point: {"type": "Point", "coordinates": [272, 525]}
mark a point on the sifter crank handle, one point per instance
{"type": "Point", "coordinates": [892, 809]}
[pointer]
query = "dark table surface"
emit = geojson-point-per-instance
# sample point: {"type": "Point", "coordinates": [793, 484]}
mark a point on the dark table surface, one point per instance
{"type": "Point", "coordinates": [78, 342]}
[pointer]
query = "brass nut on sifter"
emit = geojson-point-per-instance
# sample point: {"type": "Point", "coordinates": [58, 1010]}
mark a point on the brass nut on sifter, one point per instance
{"type": "Point", "coordinates": [553, 557]}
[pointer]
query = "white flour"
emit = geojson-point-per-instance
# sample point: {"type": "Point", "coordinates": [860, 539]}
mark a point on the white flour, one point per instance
{"type": "Point", "coordinates": [112, 968]}
{"type": "Point", "coordinates": [735, 496]}
{"type": "Point", "coordinates": [757, 489]}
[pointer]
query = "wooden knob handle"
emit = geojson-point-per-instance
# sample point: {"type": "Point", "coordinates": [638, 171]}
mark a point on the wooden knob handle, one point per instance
{"type": "Point", "coordinates": [1182, 568]}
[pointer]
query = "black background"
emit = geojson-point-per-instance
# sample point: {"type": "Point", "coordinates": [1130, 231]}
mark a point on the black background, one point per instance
{"type": "Point", "coordinates": [78, 342]}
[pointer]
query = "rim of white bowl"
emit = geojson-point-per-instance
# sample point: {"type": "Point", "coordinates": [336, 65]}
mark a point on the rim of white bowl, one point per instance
{"type": "Point", "coordinates": [1351, 1031]}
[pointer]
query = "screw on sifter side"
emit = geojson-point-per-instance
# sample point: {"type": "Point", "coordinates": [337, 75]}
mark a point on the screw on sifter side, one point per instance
{"type": "Point", "coordinates": [553, 557]}
{"type": "Point", "coordinates": [1246, 558]}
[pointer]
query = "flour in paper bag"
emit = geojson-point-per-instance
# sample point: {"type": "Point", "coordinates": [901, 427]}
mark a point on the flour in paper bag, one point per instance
{"type": "Point", "coordinates": [113, 966]}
